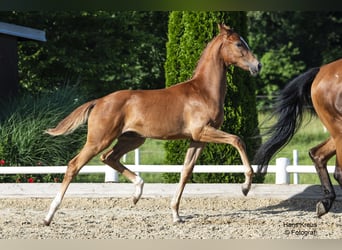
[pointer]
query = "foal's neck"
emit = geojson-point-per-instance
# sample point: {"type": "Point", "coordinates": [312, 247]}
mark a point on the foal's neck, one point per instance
{"type": "Point", "coordinates": [210, 73]}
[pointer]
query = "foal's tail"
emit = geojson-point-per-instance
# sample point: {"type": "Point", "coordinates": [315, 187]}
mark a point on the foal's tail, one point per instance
{"type": "Point", "coordinates": [73, 121]}
{"type": "Point", "coordinates": [289, 109]}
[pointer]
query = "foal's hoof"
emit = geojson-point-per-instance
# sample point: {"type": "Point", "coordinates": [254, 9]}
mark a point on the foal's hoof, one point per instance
{"type": "Point", "coordinates": [178, 220]}
{"type": "Point", "coordinates": [135, 200]}
{"type": "Point", "coordinates": [46, 223]}
{"type": "Point", "coordinates": [245, 188]}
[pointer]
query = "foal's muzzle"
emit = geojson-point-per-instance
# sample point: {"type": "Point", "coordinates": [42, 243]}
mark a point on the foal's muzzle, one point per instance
{"type": "Point", "coordinates": [255, 69]}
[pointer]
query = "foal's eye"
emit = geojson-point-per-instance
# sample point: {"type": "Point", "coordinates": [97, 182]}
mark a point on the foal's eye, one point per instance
{"type": "Point", "coordinates": [239, 44]}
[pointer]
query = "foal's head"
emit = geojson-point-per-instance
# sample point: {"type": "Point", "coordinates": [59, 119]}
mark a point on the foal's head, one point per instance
{"type": "Point", "coordinates": [235, 51]}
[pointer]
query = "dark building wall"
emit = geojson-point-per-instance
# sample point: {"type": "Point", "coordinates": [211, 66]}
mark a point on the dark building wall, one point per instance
{"type": "Point", "coordinates": [9, 79]}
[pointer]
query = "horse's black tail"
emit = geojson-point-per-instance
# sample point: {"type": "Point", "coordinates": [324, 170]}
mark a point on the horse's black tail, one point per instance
{"type": "Point", "coordinates": [289, 109]}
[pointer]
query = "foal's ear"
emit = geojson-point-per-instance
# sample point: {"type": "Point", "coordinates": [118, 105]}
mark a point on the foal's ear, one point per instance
{"type": "Point", "coordinates": [225, 29]}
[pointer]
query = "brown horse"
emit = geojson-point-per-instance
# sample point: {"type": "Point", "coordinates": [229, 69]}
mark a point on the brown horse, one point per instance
{"type": "Point", "coordinates": [191, 110]}
{"type": "Point", "coordinates": [319, 88]}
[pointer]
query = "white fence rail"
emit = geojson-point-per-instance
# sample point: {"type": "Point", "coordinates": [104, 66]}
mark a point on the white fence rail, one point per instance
{"type": "Point", "coordinates": [282, 170]}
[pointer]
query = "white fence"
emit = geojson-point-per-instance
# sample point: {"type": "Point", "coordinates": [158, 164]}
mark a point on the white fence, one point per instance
{"type": "Point", "coordinates": [282, 170]}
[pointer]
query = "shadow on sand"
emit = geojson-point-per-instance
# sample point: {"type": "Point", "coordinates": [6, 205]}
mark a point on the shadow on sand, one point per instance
{"type": "Point", "coordinates": [305, 201]}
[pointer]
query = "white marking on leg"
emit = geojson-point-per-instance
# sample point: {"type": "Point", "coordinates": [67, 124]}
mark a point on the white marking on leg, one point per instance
{"type": "Point", "coordinates": [139, 185]}
{"type": "Point", "coordinates": [246, 186]}
{"type": "Point", "coordinates": [53, 208]}
{"type": "Point", "coordinates": [174, 209]}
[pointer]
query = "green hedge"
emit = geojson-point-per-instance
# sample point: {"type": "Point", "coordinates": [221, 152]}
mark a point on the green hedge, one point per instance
{"type": "Point", "coordinates": [188, 34]}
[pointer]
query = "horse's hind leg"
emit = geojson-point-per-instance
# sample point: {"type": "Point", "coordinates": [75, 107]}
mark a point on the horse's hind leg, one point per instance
{"type": "Point", "coordinates": [338, 167]}
{"type": "Point", "coordinates": [126, 142]}
{"type": "Point", "coordinates": [338, 172]}
{"type": "Point", "coordinates": [320, 156]}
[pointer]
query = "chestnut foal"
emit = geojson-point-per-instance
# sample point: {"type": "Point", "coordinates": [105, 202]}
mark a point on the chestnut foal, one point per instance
{"type": "Point", "coordinates": [189, 110]}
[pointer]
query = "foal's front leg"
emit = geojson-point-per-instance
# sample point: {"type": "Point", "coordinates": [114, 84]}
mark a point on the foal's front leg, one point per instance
{"type": "Point", "coordinates": [192, 155]}
{"type": "Point", "coordinates": [210, 134]}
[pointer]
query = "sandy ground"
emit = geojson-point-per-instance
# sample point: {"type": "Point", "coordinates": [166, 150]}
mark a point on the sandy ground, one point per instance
{"type": "Point", "coordinates": [205, 218]}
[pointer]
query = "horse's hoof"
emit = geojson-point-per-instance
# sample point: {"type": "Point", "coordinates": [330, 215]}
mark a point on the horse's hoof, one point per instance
{"type": "Point", "coordinates": [321, 209]}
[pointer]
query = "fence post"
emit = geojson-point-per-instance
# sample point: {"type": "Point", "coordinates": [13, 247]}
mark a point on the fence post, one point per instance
{"type": "Point", "coordinates": [282, 176]}
{"type": "Point", "coordinates": [295, 163]}
{"type": "Point", "coordinates": [111, 175]}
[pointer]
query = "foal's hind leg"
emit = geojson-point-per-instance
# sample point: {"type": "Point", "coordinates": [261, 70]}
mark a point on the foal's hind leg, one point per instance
{"type": "Point", "coordinates": [320, 156]}
{"type": "Point", "coordinates": [192, 154]}
{"type": "Point", "coordinates": [210, 134]}
{"type": "Point", "coordinates": [126, 143]}
{"type": "Point", "coordinates": [89, 151]}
